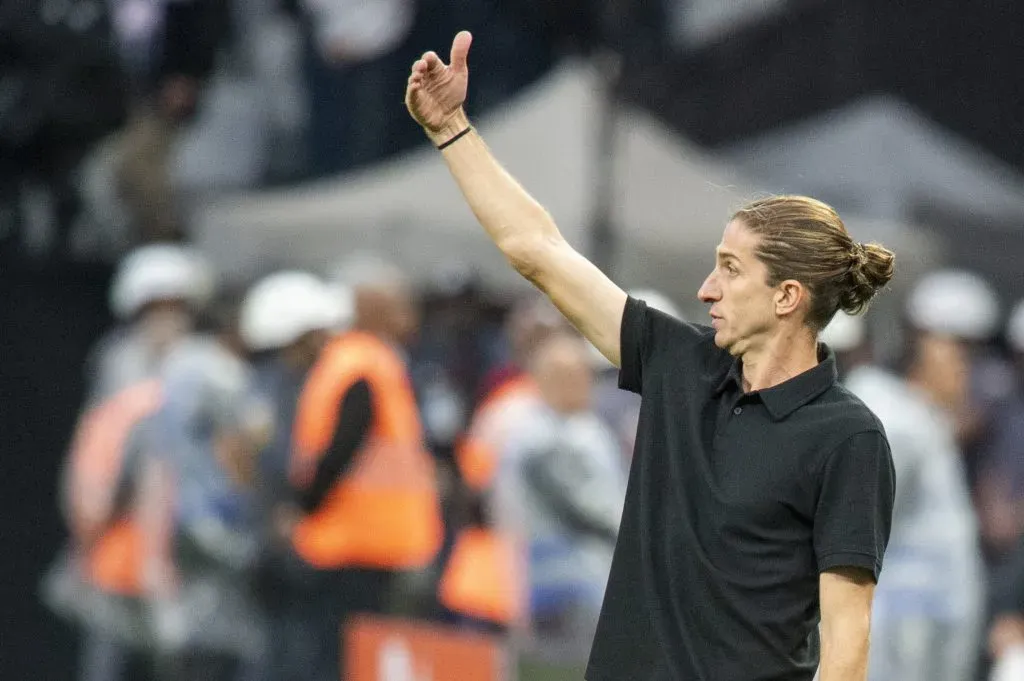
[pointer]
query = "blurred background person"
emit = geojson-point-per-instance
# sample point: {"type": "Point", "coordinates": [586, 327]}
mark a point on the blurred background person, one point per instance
{"type": "Point", "coordinates": [206, 436]}
{"type": "Point", "coordinates": [367, 508]}
{"type": "Point", "coordinates": [1000, 456]}
{"type": "Point", "coordinates": [530, 320]}
{"type": "Point", "coordinates": [1006, 637]}
{"type": "Point", "coordinates": [156, 294]}
{"type": "Point", "coordinates": [349, 56]}
{"type": "Point", "coordinates": [929, 602]}
{"type": "Point", "coordinates": [99, 583]}
{"type": "Point", "coordinates": [560, 492]}
{"type": "Point", "coordinates": [953, 315]}
{"type": "Point", "coordinates": [620, 409]}
{"type": "Point", "coordinates": [169, 49]}
{"type": "Point", "coordinates": [460, 341]}
{"type": "Point", "coordinates": [477, 587]}
{"type": "Point", "coordinates": [63, 90]}
{"type": "Point", "coordinates": [214, 95]}
{"type": "Point", "coordinates": [248, 130]}
{"type": "Point", "coordinates": [999, 495]}
{"type": "Point", "coordinates": [285, 321]}
{"type": "Point", "coordinates": [355, 52]}
{"type": "Point", "coordinates": [507, 391]}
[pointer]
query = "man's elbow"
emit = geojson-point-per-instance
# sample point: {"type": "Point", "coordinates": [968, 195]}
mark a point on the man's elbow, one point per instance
{"type": "Point", "coordinates": [850, 628]}
{"type": "Point", "coordinates": [530, 256]}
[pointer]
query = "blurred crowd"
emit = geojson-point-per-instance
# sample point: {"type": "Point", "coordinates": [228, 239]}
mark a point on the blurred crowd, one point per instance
{"type": "Point", "coordinates": [948, 600]}
{"type": "Point", "coordinates": [118, 117]}
{"type": "Point", "coordinates": [255, 467]}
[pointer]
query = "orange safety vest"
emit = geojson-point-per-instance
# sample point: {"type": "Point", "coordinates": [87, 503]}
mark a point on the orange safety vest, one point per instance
{"type": "Point", "coordinates": [384, 513]}
{"type": "Point", "coordinates": [478, 453]}
{"type": "Point", "coordinates": [483, 578]}
{"type": "Point", "coordinates": [112, 546]}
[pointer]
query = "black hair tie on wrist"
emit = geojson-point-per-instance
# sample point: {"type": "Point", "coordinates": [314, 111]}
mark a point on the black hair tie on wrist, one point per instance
{"type": "Point", "coordinates": [455, 139]}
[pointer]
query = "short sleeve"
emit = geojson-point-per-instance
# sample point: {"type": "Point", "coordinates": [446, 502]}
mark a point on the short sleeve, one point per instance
{"type": "Point", "coordinates": [632, 336]}
{"type": "Point", "coordinates": [648, 336]}
{"type": "Point", "coordinates": [853, 516]}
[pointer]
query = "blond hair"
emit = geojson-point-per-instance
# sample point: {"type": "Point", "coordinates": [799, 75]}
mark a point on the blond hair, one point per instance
{"type": "Point", "coordinates": [805, 240]}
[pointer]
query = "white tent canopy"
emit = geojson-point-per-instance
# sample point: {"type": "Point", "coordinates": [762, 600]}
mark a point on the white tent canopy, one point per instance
{"type": "Point", "coordinates": [671, 201]}
{"type": "Point", "coordinates": [878, 156]}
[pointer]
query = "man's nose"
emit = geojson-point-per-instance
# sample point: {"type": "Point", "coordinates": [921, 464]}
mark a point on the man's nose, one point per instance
{"type": "Point", "coordinates": [708, 291]}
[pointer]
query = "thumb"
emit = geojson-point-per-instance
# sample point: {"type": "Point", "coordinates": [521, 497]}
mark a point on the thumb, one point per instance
{"type": "Point", "coordinates": [460, 50]}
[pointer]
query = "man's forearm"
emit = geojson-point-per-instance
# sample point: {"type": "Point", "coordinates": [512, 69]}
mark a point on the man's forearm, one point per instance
{"type": "Point", "coordinates": [521, 228]}
{"type": "Point", "coordinates": [844, 650]}
{"type": "Point", "coordinates": [511, 217]}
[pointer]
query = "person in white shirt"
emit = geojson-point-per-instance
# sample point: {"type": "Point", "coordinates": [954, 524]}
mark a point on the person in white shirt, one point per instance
{"type": "Point", "coordinates": [929, 600]}
{"type": "Point", "coordinates": [560, 488]}
{"type": "Point", "coordinates": [156, 295]}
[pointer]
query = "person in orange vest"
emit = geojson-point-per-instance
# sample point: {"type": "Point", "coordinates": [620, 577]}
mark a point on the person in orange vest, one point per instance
{"type": "Point", "coordinates": [286, 320]}
{"type": "Point", "coordinates": [478, 581]}
{"type": "Point", "coordinates": [367, 506]}
{"type": "Point", "coordinates": [98, 582]}
{"type": "Point", "coordinates": [479, 585]}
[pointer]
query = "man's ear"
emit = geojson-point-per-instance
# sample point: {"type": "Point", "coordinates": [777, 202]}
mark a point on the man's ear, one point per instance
{"type": "Point", "coordinates": [788, 297]}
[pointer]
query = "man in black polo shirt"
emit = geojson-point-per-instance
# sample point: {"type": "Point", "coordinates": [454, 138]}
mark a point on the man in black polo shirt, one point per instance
{"type": "Point", "coordinates": [761, 492]}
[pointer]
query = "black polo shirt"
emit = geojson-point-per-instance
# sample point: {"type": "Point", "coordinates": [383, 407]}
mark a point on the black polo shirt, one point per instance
{"type": "Point", "coordinates": [736, 502]}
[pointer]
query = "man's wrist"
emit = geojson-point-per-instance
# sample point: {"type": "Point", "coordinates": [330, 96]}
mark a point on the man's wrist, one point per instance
{"type": "Point", "coordinates": [452, 127]}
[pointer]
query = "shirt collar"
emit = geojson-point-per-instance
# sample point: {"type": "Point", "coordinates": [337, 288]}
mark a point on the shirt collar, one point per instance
{"type": "Point", "coordinates": [783, 399]}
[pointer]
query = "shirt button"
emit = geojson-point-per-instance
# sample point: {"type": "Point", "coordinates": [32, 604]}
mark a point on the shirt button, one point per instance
{"type": "Point", "coordinates": [737, 411]}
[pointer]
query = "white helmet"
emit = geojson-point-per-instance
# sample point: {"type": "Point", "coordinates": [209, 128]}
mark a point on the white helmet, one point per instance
{"type": "Point", "coordinates": [284, 306]}
{"type": "Point", "coordinates": [954, 302]}
{"type": "Point", "coordinates": [1015, 327]}
{"type": "Point", "coordinates": [845, 332]}
{"type": "Point", "coordinates": [160, 272]}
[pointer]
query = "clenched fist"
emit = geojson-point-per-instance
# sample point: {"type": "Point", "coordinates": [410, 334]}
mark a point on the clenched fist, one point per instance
{"type": "Point", "coordinates": [435, 92]}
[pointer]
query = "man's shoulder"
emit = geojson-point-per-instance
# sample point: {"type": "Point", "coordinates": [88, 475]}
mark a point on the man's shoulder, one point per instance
{"type": "Point", "coordinates": [847, 433]}
{"type": "Point", "coordinates": [663, 328]}
{"type": "Point", "coordinates": [682, 341]}
{"type": "Point", "coordinates": [848, 414]}
{"type": "Point", "coordinates": [655, 344]}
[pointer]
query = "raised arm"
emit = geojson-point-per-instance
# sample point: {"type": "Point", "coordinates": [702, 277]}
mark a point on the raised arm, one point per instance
{"type": "Point", "coordinates": [520, 227]}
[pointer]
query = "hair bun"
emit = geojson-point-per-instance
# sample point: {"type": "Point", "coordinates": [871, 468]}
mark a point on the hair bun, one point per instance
{"type": "Point", "coordinates": [858, 256]}
{"type": "Point", "coordinates": [871, 268]}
